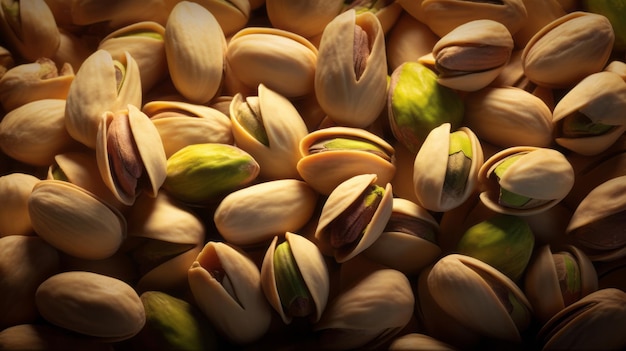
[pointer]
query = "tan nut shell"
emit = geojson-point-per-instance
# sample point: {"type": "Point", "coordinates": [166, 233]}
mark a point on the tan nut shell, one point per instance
{"type": "Point", "coordinates": [91, 304]}
{"type": "Point", "coordinates": [258, 212]}
{"type": "Point", "coordinates": [231, 15]}
{"type": "Point", "coordinates": [303, 17]}
{"type": "Point", "coordinates": [15, 188]}
{"type": "Point", "coordinates": [74, 221]}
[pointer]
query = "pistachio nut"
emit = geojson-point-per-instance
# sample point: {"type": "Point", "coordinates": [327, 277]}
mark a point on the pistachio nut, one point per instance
{"type": "Point", "coordinates": [305, 18]}
{"type": "Point", "coordinates": [617, 67]}
{"type": "Point", "coordinates": [41, 336]}
{"type": "Point", "coordinates": [226, 286]}
{"type": "Point", "coordinates": [15, 188]}
{"type": "Point", "coordinates": [70, 300]}
{"type": "Point", "coordinates": [256, 213]}
{"type": "Point", "coordinates": [593, 322]}
{"type": "Point", "coordinates": [295, 278]}
{"type": "Point", "coordinates": [130, 154]}
{"type": "Point", "coordinates": [445, 170]}
{"type": "Point", "coordinates": [335, 154]}
{"type": "Point", "coordinates": [540, 13]}
{"type": "Point", "coordinates": [89, 12]}
{"type": "Point", "coordinates": [587, 119]}
{"type": "Point", "coordinates": [568, 49]}
{"type": "Point", "coordinates": [26, 261]}
{"type": "Point", "coordinates": [418, 341]}
{"type": "Point", "coordinates": [408, 242]}
{"type": "Point", "coordinates": [6, 60]}
{"type": "Point", "coordinates": [408, 40]}
{"type": "Point", "coordinates": [194, 48]}
{"type": "Point", "coordinates": [35, 132]}
{"type": "Point", "coordinates": [524, 180]}
{"type": "Point", "coordinates": [386, 11]}
{"type": "Point", "coordinates": [354, 216]}
{"type": "Point", "coordinates": [557, 278]}
{"type": "Point", "coordinates": [417, 103]}
{"type": "Point", "coordinates": [351, 73]}
{"type": "Point", "coordinates": [34, 81]}
{"type": "Point", "coordinates": [101, 84]}
{"type": "Point", "coordinates": [75, 221]}
{"type": "Point", "coordinates": [74, 48]}
{"type": "Point", "coordinates": [269, 128]}
{"type": "Point", "coordinates": [596, 224]}
{"type": "Point", "coordinates": [283, 61]}
{"type": "Point", "coordinates": [480, 297]}
{"type": "Point", "coordinates": [488, 239]}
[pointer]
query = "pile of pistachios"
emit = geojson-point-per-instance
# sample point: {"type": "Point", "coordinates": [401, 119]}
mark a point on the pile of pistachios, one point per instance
{"type": "Point", "coordinates": [312, 175]}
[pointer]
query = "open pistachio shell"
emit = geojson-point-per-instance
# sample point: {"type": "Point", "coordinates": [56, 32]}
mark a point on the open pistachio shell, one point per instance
{"type": "Point", "coordinates": [325, 168]}
{"type": "Point", "coordinates": [15, 188]}
{"type": "Point", "coordinates": [351, 73]}
{"type": "Point", "coordinates": [226, 285]}
{"type": "Point", "coordinates": [341, 200]}
{"type": "Point", "coordinates": [445, 172]}
{"type": "Point", "coordinates": [74, 221]}
{"type": "Point", "coordinates": [303, 17]}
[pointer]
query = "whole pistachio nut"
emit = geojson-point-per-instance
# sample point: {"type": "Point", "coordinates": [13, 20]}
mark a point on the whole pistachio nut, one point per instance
{"type": "Point", "coordinates": [556, 278]}
{"type": "Point", "coordinates": [269, 127]}
{"type": "Point", "coordinates": [305, 18]}
{"type": "Point", "coordinates": [417, 103]}
{"type": "Point", "coordinates": [226, 286]}
{"type": "Point", "coordinates": [354, 216]}
{"type": "Point", "coordinates": [614, 11]}
{"type": "Point", "coordinates": [524, 180]}
{"type": "Point", "coordinates": [499, 234]}
{"type": "Point", "coordinates": [387, 11]}
{"type": "Point", "coordinates": [202, 173]}
{"type": "Point", "coordinates": [593, 322]}
{"type": "Point", "coordinates": [351, 73]}
{"type": "Point", "coordinates": [587, 119]}
{"type": "Point", "coordinates": [568, 49]}
{"type": "Point", "coordinates": [15, 188]}
{"type": "Point", "coordinates": [445, 170]}
{"type": "Point", "coordinates": [40, 336]}
{"type": "Point", "coordinates": [480, 297]}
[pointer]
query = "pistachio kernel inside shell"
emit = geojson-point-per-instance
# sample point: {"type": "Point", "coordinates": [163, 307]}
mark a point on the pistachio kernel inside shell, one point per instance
{"type": "Point", "coordinates": [508, 198]}
{"type": "Point", "coordinates": [403, 223]}
{"type": "Point", "coordinates": [520, 314]}
{"type": "Point", "coordinates": [347, 143]}
{"type": "Point", "coordinates": [120, 74]}
{"type": "Point", "coordinates": [578, 125]}
{"type": "Point", "coordinates": [460, 60]}
{"type": "Point", "coordinates": [124, 158]}
{"type": "Point", "coordinates": [292, 290]}
{"type": "Point", "coordinates": [248, 114]}
{"type": "Point", "coordinates": [459, 165]}
{"type": "Point", "coordinates": [211, 263]}
{"type": "Point", "coordinates": [361, 51]}
{"type": "Point", "coordinates": [47, 68]}
{"type": "Point", "coordinates": [11, 10]}
{"type": "Point", "coordinates": [58, 173]}
{"type": "Point", "coordinates": [143, 33]}
{"type": "Point", "coordinates": [568, 273]}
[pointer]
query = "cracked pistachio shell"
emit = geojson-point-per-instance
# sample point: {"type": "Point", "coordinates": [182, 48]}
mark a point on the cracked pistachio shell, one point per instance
{"type": "Point", "coordinates": [432, 165]}
{"type": "Point", "coordinates": [15, 188]}
{"type": "Point", "coordinates": [542, 174]}
{"type": "Point", "coordinates": [74, 221]}
{"type": "Point", "coordinates": [509, 116]}
{"type": "Point", "coordinates": [601, 98]}
{"type": "Point", "coordinates": [418, 341]}
{"type": "Point", "coordinates": [71, 300]}
{"type": "Point", "coordinates": [325, 170]}
{"type": "Point", "coordinates": [340, 200]}
{"type": "Point", "coordinates": [34, 81]}
{"type": "Point", "coordinates": [408, 242]}
{"type": "Point", "coordinates": [194, 47]}
{"type": "Point", "coordinates": [350, 94]}
{"type": "Point", "coordinates": [181, 124]}
{"type": "Point", "coordinates": [226, 285]}
{"type": "Point", "coordinates": [594, 322]}
{"type": "Point", "coordinates": [568, 49]}
{"type": "Point", "coordinates": [475, 70]}
{"type": "Point", "coordinates": [282, 125]}
{"type": "Point", "coordinates": [480, 297]}
{"type": "Point", "coordinates": [597, 225]}
{"type": "Point", "coordinates": [35, 132]}
{"type": "Point", "coordinates": [144, 42]}
{"type": "Point", "coordinates": [95, 90]}
{"type": "Point", "coordinates": [312, 267]}
{"type": "Point", "coordinates": [283, 61]}
{"type": "Point", "coordinates": [257, 213]}
{"type": "Point", "coordinates": [150, 148]}
{"type": "Point", "coordinates": [544, 283]}
{"type": "Point", "coordinates": [29, 28]}
{"type": "Point", "coordinates": [303, 17]}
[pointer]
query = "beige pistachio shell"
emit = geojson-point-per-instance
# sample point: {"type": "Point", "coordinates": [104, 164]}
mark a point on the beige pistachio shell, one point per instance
{"type": "Point", "coordinates": [324, 171]}
{"type": "Point", "coordinates": [459, 285]}
{"type": "Point", "coordinates": [303, 17]}
{"type": "Point", "coordinates": [144, 42]}
{"type": "Point", "coordinates": [150, 148]}
{"type": "Point", "coordinates": [94, 91]}
{"type": "Point", "coordinates": [234, 303]}
{"type": "Point", "coordinates": [15, 188]}
{"type": "Point", "coordinates": [284, 128]}
{"type": "Point", "coordinates": [283, 61]}
{"type": "Point", "coordinates": [617, 67]}
{"type": "Point", "coordinates": [404, 251]}
{"type": "Point", "coordinates": [540, 13]}
{"type": "Point", "coordinates": [34, 81]}
{"type": "Point", "coordinates": [41, 336]}
{"type": "Point", "coordinates": [339, 200]}
{"type": "Point", "coordinates": [74, 221]}
{"type": "Point", "coordinates": [257, 213]}
{"type": "Point", "coordinates": [231, 15]}
{"type": "Point", "coordinates": [73, 50]}
{"type": "Point", "coordinates": [431, 165]}
{"type": "Point", "coordinates": [194, 47]}
{"type": "Point", "coordinates": [568, 49]}
{"type": "Point", "coordinates": [352, 98]}
{"type": "Point", "coordinates": [6, 60]}
{"type": "Point", "coordinates": [408, 40]}
{"type": "Point", "coordinates": [417, 341]}
{"type": "Point", "coordinates": [311, 266]}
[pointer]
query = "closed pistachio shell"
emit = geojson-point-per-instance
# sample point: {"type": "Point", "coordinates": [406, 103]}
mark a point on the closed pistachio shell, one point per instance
{"type": "Point", "coordinates": [15, 188]}
{"type": "Point", "coordinates": [417, 341]}
{"type": "Point", "coordinates": [305, 18]}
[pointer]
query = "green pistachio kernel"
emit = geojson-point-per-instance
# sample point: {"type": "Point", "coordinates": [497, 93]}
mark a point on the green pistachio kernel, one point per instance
{"type": "Point", "coordinates": [568, 273]}
{"type": "Point", "coordinates": [143, 33]}
{"type": "Point", "coordinates": [348, 144]}
{"type": "Point", "coordinates": [459, 164]}
{"type": "Point", "coordinates": [508, 198]}
{"type": "Point", "coordinates": [248, 114]}
{"type": "Point", "coordinates": [580, 126]}
{"type": "Point", "coordinates": [292, 290]}
{"type": "Point", "coordinates": [58, 174]}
